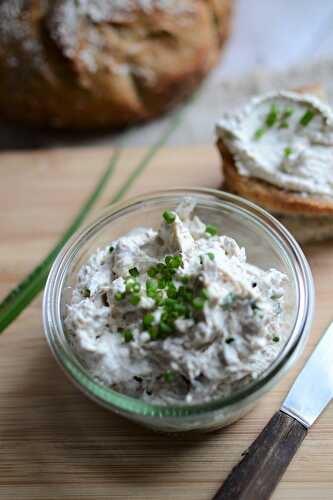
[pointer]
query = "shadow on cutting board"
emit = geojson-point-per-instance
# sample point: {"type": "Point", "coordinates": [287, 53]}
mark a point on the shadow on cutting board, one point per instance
{"type": "Point", "coordinates": [18, 138]}
{"type": "Point", "coordinates": [59, 435]}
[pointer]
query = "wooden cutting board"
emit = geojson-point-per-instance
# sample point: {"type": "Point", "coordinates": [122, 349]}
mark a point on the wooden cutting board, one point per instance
{"type": "Point", "coordinates": [55, 443]}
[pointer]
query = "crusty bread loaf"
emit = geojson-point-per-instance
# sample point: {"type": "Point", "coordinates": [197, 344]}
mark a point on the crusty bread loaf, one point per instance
{"type": "Point", "coordinates": [104, 63]}
{"type": "Point", "coordinates": [309, 218]}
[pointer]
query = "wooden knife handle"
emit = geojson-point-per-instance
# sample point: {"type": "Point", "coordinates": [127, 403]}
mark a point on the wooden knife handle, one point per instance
{"type": "Point", "coordinates": [258, 473]}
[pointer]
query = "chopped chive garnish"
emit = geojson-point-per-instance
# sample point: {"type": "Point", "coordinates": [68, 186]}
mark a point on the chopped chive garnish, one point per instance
{"type": "Point", "coordinates": [169, 273]}
{"type": "Point", "coordinates": [119, 295]}
{"type": "Point", "coordinates": [134, 272]}
{"type": "Point", "coordinates": [153, 332]}
{"type": "Point", "coordinates": [276, 338]}
{"type": "Point", "coordinates": [172, 291]}
{"type": "Point", "coordinates": [168, 377]}
{"type": "Point", "coordinates": [229, 340]}
{"type": "Point", "coordinates": [135, 299]}
{"type": "Point", "coordinates": [168, 260]}
{"type": "Point", "coordinates": [165, 329]}
{"type": "Point", "coordinates": [169, 216]}
{"type": "Point", "coordinates": [86, 293]}
{"type": "Point", "coordinates": [151, 288]}
{"type": "Point", "coordinates": [287, 113]}
{"type": "Point", "coordinates": [307, 117]}
{"type": "Point", "coordinates": [111, 249]}
{"type": "Point", "coordinates": [161, 283]}
{"type": "Point", "coordinates": [211, 230]}
{"type": "Point", "coordinates": [180, 309]}
{"type": "Point", "coordinates": [173, 262]}
{"type": "Point", "coordinates": [130, 283]}
{"type": "Point", "coordinates": [151, 285]}
{"type": "Point", "coordinates": [272, 116]}
{"type": "Point", "coordinates": [158, 298]}
{"type": "Point", "coordinates": [152, 272]}
{"type": "Point", "coordinates": [284, 117]}
{"type": "Point", "coordinates": [259, 133]}
{"type": "Point", "coordinates": [176, 262]}
{"type": "Point", "coordinates": [148, 320]}
{"type": "Point", "coordinates": [185, 294]}
{"type": "Point", "coordinates": [275, 296]}
{"type": "Point", "coordinates": [287, 151]}
{"type": "Point", "coordinates": [175, 300]}
{"type": "Point", "coordinates": [198, 304]}
{"type": "Point", "coordinates": [128, 335]}
{"type": "Point", "coordinates": [170, 302]}
{"type": "Point", "coordinates": [188, 296]}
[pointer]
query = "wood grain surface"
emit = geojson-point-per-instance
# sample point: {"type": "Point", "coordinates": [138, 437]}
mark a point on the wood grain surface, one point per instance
{"type": "Point", "coordinates": [55, 444]}
{"type": "Point", "coordinates": [265, 461]}
{"type": "Point", "coordinates": [267, 35]}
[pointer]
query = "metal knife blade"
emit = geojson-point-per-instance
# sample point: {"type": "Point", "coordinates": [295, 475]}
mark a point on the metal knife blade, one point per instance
{"type": "Point", "coordinates": [313, 388]}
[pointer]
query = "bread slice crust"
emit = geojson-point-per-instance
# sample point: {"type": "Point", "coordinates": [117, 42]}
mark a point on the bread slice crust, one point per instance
{"type": "Point", "coordinates": [269, 196]}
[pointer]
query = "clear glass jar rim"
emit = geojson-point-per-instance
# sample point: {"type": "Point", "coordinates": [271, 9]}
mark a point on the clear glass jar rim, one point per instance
{"type": "Point", "coordinates": [53, 324]}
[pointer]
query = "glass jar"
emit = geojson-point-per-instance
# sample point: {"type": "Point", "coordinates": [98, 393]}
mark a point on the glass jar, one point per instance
{"type": "Point", "coordinates": [267, 243]}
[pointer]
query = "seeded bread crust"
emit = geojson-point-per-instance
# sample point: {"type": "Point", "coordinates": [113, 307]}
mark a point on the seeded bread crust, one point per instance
{"type": "Point", "coordinates": [270, 197]}
{"type": "Point", "coordinates": [104, 63]}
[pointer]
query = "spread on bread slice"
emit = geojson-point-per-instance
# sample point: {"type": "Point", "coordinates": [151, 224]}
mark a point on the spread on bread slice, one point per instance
{"type": "Point", "coordinates": [278, 152]}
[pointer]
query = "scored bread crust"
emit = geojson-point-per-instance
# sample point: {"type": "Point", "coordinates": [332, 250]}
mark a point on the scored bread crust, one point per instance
{"type": "Point", "coordinates": [269, 196]}
{"type": "Point", "coordinates": [106, 63]}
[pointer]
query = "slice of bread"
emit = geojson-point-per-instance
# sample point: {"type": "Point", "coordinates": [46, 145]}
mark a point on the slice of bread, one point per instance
{"type": "Point", "coordinates": [308, 217]}
{"type": "Point", "coordinates": [269, 196]}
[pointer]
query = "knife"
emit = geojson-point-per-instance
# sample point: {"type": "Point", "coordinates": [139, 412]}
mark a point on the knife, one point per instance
{"type": "Point", "coordinates": [258, 473]}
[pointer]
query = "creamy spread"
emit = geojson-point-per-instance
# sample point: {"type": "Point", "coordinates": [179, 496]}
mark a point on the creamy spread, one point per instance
{"type": "Point", "coordinates": [284, 138]}
{"type": "Point", "coordinates": [176, 314]}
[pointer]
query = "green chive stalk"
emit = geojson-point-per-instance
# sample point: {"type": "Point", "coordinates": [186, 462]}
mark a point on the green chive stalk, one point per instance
{"type": "Point", "coordinates": [147, 158]}
{"type": "Point", "coordinates": [17, 300]}
{"type": "Point", "coordinates": [24, 293]}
